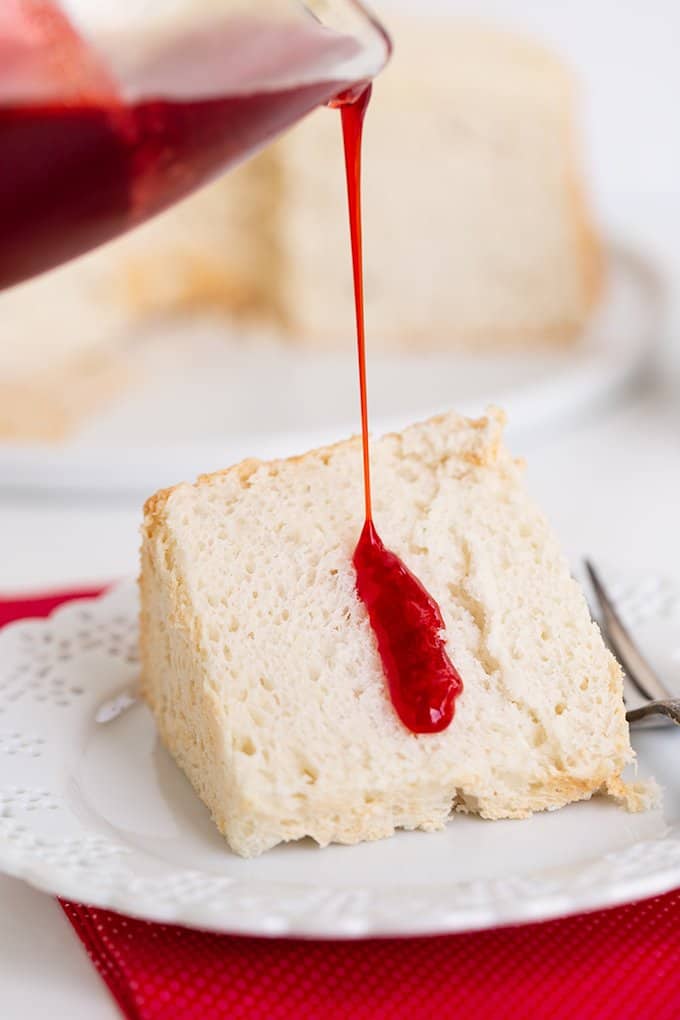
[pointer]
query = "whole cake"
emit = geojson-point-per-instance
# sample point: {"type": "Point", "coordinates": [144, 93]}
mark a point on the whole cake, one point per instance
{"type": "Point", "coordinates": [263, 673]}
{"type": "Point", "coordinates": [474, 207]}
{"type": "Point", "coordinates": [476, 224]}
{"type": "Point", "coordinates": [477, 228]}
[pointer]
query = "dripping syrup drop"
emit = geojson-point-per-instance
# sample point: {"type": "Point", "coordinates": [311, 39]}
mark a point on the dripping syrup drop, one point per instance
{"type": "Point", "coordinates": [407, 622]}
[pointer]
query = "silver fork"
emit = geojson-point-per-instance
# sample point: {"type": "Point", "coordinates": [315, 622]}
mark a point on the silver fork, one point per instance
{"type": "Point", "coordinates": [641, 679]}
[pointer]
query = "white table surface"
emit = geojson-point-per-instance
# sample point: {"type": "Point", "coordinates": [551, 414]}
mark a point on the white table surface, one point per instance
{"type": "Point", "coordinates": [610, 483]}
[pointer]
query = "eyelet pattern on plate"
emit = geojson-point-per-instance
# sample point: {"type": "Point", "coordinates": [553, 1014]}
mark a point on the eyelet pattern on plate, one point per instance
{"type": "Point", "coordinates": [55, 673]}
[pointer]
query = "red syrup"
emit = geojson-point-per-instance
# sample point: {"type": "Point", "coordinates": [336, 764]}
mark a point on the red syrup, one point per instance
{"type": "Point", "coordinates": [407, 622]}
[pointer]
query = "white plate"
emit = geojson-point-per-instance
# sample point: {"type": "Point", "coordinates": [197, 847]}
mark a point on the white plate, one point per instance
{"type": "Point", "coordinates": [205, 399]}
{"type": "Point", "coordinates": [96, 811]}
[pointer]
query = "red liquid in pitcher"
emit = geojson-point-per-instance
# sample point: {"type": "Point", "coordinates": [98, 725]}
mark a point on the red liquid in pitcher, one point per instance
{"type": "Point", "coordinates": [72, 177]}
{"type": "Point", "coordinates": [81, 161]}
{"type": "Point", "coordinates": [407, 622]}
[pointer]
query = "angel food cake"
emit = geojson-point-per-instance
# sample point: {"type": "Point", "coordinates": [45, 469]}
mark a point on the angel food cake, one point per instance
{"type": "Point", "coordinates": [263, 672]}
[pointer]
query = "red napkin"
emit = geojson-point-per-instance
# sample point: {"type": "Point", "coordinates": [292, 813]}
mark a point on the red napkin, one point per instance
{"type": "Point", "coordinates": [611, 965]}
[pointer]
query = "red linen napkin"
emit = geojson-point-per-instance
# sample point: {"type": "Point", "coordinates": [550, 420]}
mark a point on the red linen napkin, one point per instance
{"type": "Point", "coordinates": [610, 965]}
{"type": "Point", "coordinates": [40, 605]}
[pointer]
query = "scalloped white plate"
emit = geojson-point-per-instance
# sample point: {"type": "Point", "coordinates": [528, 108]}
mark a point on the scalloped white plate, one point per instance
{"type": "Point", "coordinates": [93, 809]}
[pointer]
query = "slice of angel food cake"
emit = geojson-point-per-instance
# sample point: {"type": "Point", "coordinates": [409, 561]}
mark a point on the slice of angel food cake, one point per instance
{"type": "Point", "coordinates": [267, 678]}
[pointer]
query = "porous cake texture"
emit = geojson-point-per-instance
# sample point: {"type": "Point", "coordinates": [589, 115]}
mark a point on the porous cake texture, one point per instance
{"type": "Point", "coordinates": [262, 671]}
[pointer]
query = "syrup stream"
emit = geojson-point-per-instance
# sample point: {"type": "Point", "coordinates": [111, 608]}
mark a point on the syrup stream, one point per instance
{"type": "Point", "coordinates": [407, 622]}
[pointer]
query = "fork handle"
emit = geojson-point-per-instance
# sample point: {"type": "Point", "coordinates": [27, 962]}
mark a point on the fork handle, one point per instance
{"type": "Point", "coordinates": [669, 707]}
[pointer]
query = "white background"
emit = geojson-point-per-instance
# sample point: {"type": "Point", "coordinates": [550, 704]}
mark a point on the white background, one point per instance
{"type": "Point", "coordinates": [611, 486]}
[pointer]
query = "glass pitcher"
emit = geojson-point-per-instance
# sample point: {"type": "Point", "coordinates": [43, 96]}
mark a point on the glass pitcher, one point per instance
{"type": "Point", "coordinates": [111, 112]}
